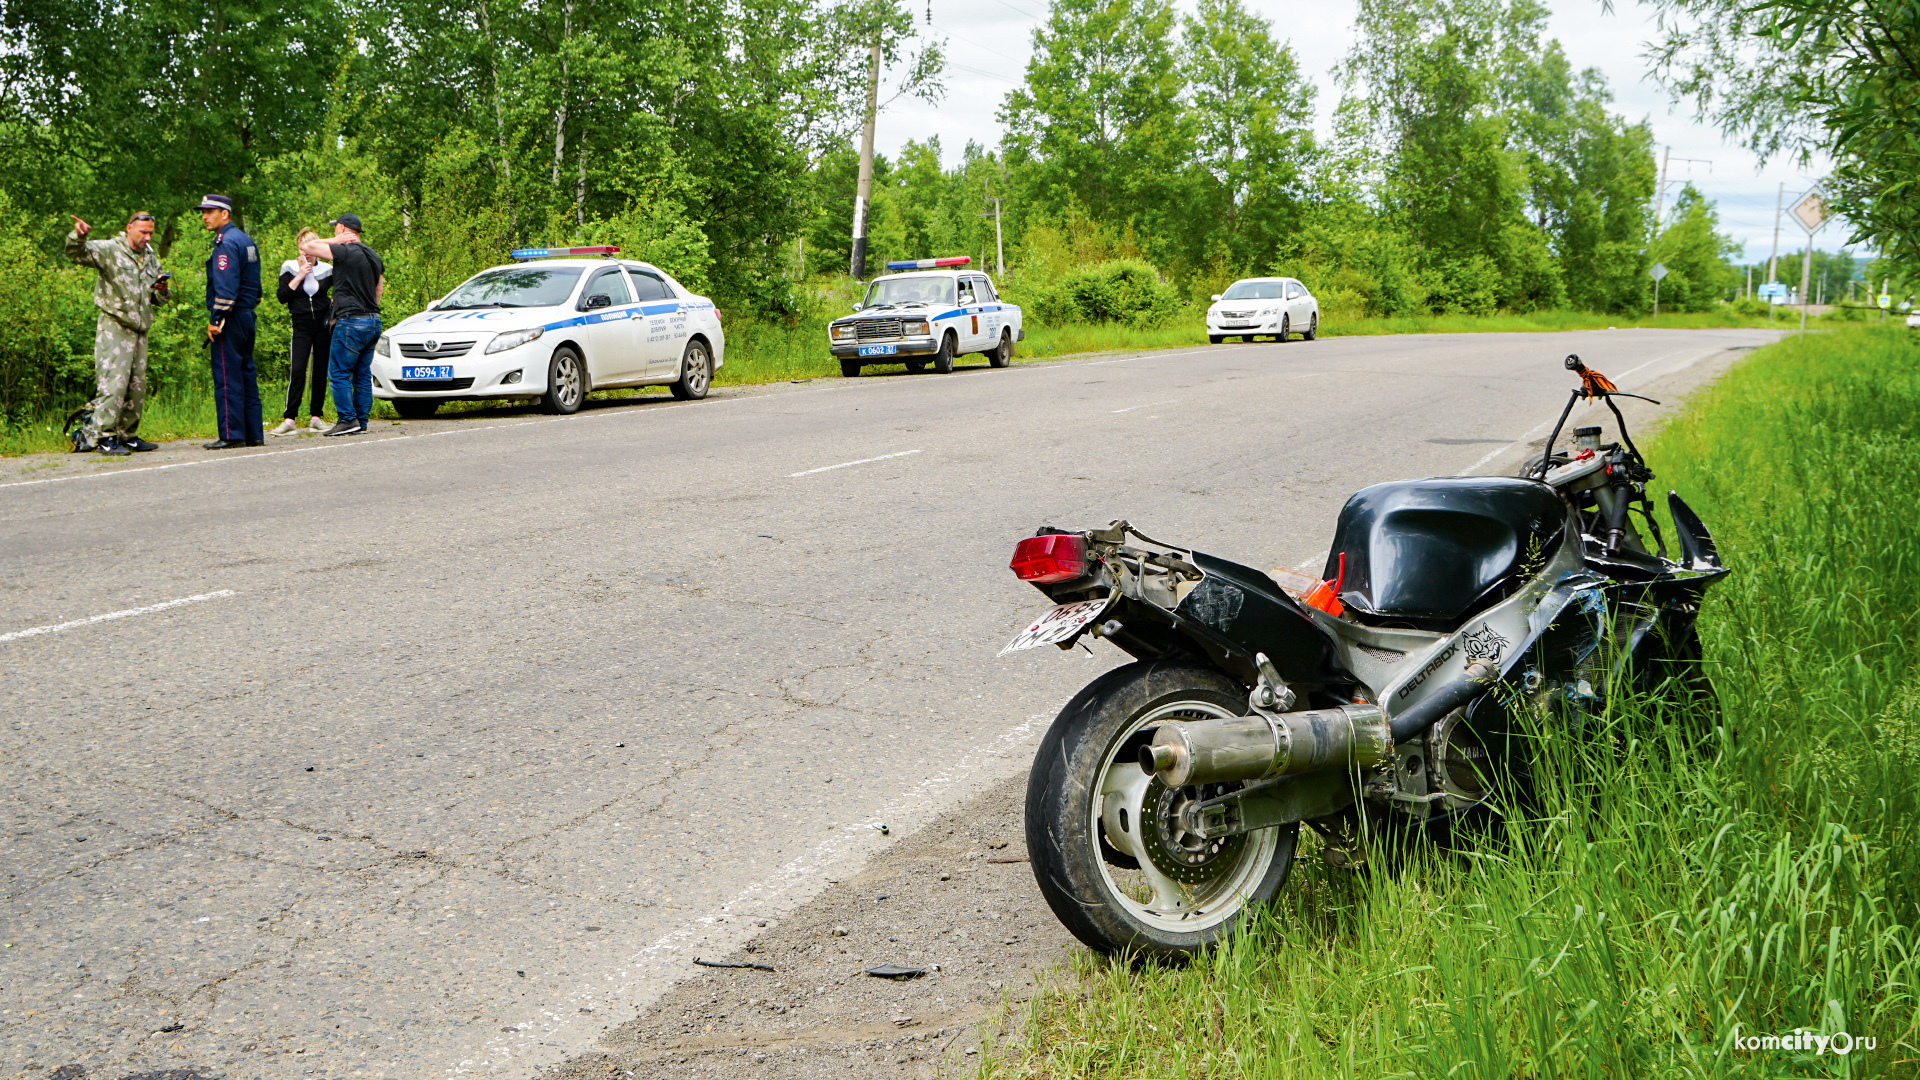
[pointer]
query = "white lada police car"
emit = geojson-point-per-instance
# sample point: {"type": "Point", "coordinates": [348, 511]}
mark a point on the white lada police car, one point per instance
{"type": "Point", "coordinates": [558, 330]}
{"type": "Point", "coordinates": [926, 317]}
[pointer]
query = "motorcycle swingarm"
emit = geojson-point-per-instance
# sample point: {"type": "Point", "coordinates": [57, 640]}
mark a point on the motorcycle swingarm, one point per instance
{"type": "Point", "coordinates": [1281, 801]}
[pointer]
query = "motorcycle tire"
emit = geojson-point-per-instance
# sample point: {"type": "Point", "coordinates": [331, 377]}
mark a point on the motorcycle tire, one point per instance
{"type": "Point", "coordinates": [1182, 893]}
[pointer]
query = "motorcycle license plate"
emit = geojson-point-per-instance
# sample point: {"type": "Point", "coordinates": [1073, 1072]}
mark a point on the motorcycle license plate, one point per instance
{"type": "Point", "coordinates": [442, 371]}
{"type": "Point", "coordinates": [879, 350]}
{"type": "Point", "coordinates": [1056, 626]}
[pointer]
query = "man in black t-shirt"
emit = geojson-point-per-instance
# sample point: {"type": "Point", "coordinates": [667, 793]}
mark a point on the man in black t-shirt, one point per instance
{"type": "Point", "coordinates": [359, 277]}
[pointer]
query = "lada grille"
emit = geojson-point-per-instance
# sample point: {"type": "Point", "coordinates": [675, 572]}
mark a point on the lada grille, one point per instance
{"type": "Point", "coordinates": [415, 350]}
{"type": "Point", "coordinates": [872, 329]}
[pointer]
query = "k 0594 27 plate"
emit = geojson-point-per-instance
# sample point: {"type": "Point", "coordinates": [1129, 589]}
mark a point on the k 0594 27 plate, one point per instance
{"type": "Point", "coordinates": [1057, 625]}
{"type": "Point", "coordinates": [442, 371]}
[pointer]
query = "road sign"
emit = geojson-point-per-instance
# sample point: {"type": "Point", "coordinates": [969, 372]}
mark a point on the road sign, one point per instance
{"type": "Point", "coordinates": [1810, 211]}
{"type": "Point", "coordinates": [1771, 289]}
{"type": "Point", "coordinates": [1886, 301]}
{"type": "Point", "coordinates": [1657, 271]}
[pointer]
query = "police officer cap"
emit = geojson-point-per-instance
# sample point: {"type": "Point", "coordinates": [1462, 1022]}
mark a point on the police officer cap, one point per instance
{"type": "Point", "coordinates": [351, 221]}
{"type": "Point", "coordinates": [216, 202]}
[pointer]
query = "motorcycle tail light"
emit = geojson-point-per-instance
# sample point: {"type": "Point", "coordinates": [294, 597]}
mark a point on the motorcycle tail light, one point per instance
{"type": "Point", "coordinates": [1060, 557]}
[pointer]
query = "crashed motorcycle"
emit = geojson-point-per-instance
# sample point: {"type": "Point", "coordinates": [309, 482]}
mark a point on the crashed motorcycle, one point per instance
{"type": "Point", "coordinates": [1456, 619]}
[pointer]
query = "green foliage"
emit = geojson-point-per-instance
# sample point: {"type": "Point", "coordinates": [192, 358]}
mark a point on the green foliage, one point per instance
{"type": "Point", "coordinates": [1698, 275]}
{"type": "Point", "coordinates": [1124, 291]}
{"type": "Point", "coordinates": [1678, 886]}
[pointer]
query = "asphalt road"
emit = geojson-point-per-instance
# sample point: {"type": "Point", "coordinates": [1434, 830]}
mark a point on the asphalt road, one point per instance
{"type": "Point", "coordinates": [471, 740]}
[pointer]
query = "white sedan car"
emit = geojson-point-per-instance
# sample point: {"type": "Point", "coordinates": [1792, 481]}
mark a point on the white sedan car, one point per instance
{"type": "Point", "coordinates": [557, 329]}
{"type": "Point", "coordinates": [1276, 306]}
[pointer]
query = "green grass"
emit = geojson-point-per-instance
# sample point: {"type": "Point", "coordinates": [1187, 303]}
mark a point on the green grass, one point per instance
{"type": "Point", "coordinates": [1664, 902]}
{"type": "Point", "coordinates": [761, 351]}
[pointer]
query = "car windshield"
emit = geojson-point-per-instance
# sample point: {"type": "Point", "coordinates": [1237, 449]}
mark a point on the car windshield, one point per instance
{"type": "Point", "coordinates": [1255, 290]}
{"type": "Point", "coordinates": [910, 290]}
{"type": "Point", "coordinates": [517, 286]}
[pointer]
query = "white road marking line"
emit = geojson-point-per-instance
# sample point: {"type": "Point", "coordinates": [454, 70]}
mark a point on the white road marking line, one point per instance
{"type": "Point", "coordinates": [91, 619]}
{"type": "Point", "coordinates": [846, 464]}
{"type": "Point", "coordinates": [1320, 558]}
{"type": "Point", "coordinates": [614, 990]}
{"type": "Point", "coordinates": [1148, 405]}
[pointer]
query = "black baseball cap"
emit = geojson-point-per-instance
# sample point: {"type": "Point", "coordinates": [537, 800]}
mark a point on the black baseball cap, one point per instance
{"type": "Point", "coordinates": [216, 202]}
{"type": "Point", "coordinates": [351, 221]}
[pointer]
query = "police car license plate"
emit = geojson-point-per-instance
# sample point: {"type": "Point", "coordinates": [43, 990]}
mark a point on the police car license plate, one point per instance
{"type": "Point", "coordinates": [1057, 625]}
{"type": "Point", "coordinates": [444, 371]}
{"type": "Point", "coordinates": [879, 350]}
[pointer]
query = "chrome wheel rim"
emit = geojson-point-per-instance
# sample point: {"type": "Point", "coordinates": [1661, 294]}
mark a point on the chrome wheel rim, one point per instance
{"type": "Point", "coordinates": [566, 381]}
{"type": "Point", "coordinates": [696, 374]}
{"type": "Point", "coordinates": [1130, 804]}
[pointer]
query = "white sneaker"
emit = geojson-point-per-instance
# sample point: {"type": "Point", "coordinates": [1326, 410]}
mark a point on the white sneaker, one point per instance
{"type": "Point", "coordinates": [287, 427]}
{"type": "Point", "coordinates": [317, 425]}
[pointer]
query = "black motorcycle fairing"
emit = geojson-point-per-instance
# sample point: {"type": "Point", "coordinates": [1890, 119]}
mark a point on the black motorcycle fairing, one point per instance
{"type": "Point", "coordinates": [1432, 552]}
{"type": "Point", "coordinates": [1247, 607]}
{"type": "Point", "coordinates": [1233, 613]}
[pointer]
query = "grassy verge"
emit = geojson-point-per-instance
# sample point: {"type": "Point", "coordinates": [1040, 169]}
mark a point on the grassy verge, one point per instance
{"type": "Point", "coordinates": [1666, 903]}
{"type": "Point", "coordinates": [768, 352]}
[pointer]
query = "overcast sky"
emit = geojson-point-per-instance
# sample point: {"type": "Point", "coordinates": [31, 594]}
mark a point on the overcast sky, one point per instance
{"type": "Point", "coordinates": [989, 42]}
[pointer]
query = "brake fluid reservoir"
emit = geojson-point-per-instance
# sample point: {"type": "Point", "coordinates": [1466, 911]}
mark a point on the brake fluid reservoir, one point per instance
{"type": "Point", "coordinates": [1586, 438]}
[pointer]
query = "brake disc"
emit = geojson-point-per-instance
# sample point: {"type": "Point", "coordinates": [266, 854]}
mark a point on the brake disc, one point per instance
{"type": "Point", "coordinates": [1184, 856]}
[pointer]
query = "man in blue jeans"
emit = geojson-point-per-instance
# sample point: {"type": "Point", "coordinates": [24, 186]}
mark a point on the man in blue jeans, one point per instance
{"type": "Point", "coordinates": [359, 277]}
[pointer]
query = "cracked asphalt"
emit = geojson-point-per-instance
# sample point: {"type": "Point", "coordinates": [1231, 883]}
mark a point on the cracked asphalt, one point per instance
{"type": "Point", "coordinates": [499, 728]}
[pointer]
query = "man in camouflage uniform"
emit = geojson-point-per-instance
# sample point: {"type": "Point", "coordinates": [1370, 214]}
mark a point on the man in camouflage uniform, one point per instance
{"type": "Point", "coordinates": [130, 285]}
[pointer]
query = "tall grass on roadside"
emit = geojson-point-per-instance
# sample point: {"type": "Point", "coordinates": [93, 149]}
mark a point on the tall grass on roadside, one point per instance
{"type": "Point", "coordinates": [1665, 903]}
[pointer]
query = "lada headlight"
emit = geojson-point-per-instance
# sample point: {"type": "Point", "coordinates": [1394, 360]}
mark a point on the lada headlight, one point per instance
{"type": "Point", "coordinates": [841, 331]}
{"type": "Point", "coordinates": [514, 339]}
{"type": "Point", "coordinates": [384, 346]}
{"type": "Point", "coordinates": [914, 328]}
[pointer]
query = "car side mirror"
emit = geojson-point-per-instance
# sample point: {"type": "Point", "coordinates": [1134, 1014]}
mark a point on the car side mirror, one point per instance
{"type": "Point", "coordinates": [1216, 296]}
{"type": "Point", "coordinates": [856, 307]}
{"type": "Point", "coordinates": [599, 300]}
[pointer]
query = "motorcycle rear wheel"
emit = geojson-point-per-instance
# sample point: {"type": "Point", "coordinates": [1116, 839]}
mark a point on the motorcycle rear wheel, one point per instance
{"type": "Point", "coordinates": [1169, 894]}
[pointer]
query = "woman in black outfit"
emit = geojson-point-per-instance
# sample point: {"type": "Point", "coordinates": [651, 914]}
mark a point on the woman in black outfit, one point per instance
{"type": "Point", "coordinates": [306, 287]}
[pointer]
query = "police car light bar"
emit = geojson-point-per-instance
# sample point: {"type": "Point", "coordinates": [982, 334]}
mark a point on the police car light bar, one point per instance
{"type": "Point", "coordinates": [555, 253]}
{"type": "Point", "coordinates": [928, 264]}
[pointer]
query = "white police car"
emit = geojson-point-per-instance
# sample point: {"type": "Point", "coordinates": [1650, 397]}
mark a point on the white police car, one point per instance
{"type": "Point", "coordinates": [926, 317]}
{"type": "Point", "coordinates": [1279, 307]}
{"type": "Point", "coordinates": [558, 330]}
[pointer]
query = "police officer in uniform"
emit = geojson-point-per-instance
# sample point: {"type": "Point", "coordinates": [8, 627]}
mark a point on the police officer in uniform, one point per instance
{"type": "Point", "coordinates": [233, 288]}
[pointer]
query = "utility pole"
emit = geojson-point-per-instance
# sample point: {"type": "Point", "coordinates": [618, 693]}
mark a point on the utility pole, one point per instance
{"type": "Point", "coordinates": [1773, 260]}
{"type": "Point", "coordinates": [1659, 196]}
{"type": "Point", "coordinates": [999, 245]}
{"type": "Point", "coordinates": [1749, 282]}
{"type": "Point", "coordinates": [863, 191]}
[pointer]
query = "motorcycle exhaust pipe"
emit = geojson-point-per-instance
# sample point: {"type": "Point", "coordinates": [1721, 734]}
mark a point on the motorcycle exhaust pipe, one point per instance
{"type": "Point", "coordinates": [1261, 747]}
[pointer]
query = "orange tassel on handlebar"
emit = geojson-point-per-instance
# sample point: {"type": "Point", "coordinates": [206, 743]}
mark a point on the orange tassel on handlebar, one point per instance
{"type": "Point", "coordinates": [1593, 384]}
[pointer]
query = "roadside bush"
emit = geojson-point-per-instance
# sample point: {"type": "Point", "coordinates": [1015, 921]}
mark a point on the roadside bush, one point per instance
{"type": "Point", "coordinates": [1125, 291]}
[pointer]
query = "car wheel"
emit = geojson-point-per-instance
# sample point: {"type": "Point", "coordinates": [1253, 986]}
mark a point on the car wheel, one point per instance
{"type": "Point", "coordinates": [943, 360]}
{"type": "Point", "coordinates": [849, 369]}
{"type": "Point", "coordinates": [915, 367]}
{"type": "Point", "coordinates": [1216, 338]}
{"type": "Point", "coordinates": [1313, 327]}
{"type": "Point", "coordinates": [417, 408]}
{"type": "Point", "coordinates": [566, 382]}
{"type": "Point", "coordinates": [696, 371]}
{"type": "Point", "coordinates": [1002, 355]}
{"type": "Point", "coordinates": [1286, 329]}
